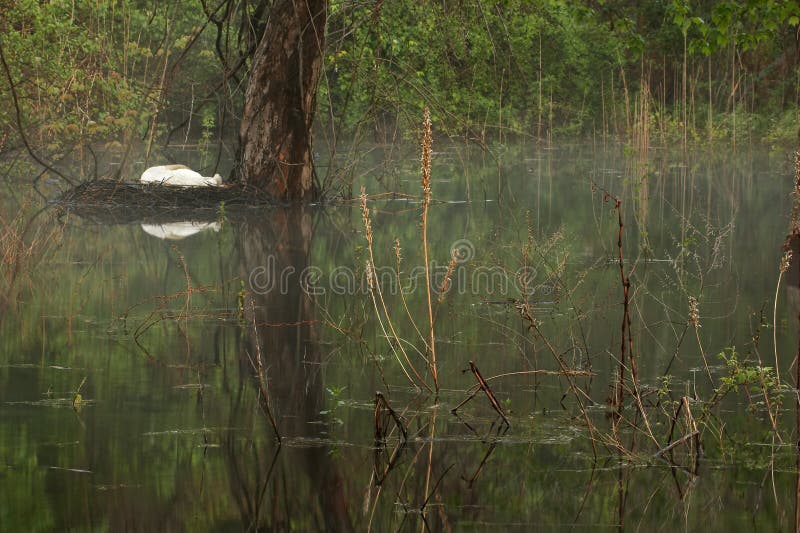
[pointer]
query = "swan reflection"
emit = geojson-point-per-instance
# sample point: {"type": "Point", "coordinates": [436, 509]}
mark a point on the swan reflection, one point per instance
{"type": "Point", "coordinates": [175, 231]}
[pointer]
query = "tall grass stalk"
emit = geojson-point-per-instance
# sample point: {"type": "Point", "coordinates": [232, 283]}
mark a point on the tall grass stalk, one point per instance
{"type": "Point", "coordinates": [427, 142]}
{"type": "Point", "coordinates": [398, 262]}
{"type": "Point", "coordinates": [539, 103]}
{"type": "Point", "coordinates": [641, 147]}
{"type": "Point", "coordinates": [376, 295]}
{"type": "Point", "coordinates": [694, 321]}
{"type": "Point", "coordinates": [23, 246]}
{"type": "Point", "coordinates": [784, 266]}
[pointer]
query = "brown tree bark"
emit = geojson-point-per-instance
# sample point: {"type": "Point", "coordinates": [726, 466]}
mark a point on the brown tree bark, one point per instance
{"type": "Point", "coordinates": [281, 99]}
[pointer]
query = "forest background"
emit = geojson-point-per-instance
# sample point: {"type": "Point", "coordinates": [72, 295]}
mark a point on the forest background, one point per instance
{"type": "Point", "coordinates": [114, 71]}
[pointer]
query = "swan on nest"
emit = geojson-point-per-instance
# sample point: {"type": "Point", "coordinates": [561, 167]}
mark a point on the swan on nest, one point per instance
{"type": "Point", "coordinates": [179, 176]}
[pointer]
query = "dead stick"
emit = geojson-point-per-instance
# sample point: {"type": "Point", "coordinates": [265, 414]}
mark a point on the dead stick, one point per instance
{"type": "Point", "coordinates": [381, 399]}
{"type": "Point", "coordinates": [677, 443]}
{"type": "Point", "coordinates": [471, 396]}
{"type": "Point", "coordinates": [488, 391]}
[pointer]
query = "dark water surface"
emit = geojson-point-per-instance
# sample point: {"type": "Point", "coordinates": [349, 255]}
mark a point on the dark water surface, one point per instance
{"type": "Point", "coordinates": [161, 338]}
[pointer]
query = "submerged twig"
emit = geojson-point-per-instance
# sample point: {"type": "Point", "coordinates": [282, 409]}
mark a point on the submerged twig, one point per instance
{"type": "Point", "coordinates": [694, 432]}
{"type": "Point", "coordinates": [483, 462]}
{"type": "Point", "coordinates": [382, 407]}
{"type": "Point", "coordinates": [483, 386]}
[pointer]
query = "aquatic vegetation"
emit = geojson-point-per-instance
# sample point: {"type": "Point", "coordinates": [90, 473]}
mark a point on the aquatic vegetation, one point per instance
{"type": "Point", "coordinates": [24, 242]}
{"type": "Point", "coordinates": [291, 391]}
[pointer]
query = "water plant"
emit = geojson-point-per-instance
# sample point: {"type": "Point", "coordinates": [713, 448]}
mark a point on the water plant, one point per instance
{"type": "Point", "coordinates": [381, 309]}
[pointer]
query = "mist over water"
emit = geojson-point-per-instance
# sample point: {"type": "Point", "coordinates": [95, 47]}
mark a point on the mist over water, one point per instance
{"type": "Point", "coordinates": [159, 325]}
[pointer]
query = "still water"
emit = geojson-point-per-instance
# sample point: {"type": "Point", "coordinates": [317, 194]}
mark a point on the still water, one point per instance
{"type": "Point", "coordinates": [130, 354]}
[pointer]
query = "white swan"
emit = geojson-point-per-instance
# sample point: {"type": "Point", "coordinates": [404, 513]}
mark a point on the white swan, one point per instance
{"type": "Point", "coordinates": [175, 231]}
{"type": "Point", "coordinates": [179, 176]}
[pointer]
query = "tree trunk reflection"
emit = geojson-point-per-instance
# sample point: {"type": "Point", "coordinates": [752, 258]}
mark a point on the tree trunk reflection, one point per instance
{"type": "Point", "coordinates": [280, 328]}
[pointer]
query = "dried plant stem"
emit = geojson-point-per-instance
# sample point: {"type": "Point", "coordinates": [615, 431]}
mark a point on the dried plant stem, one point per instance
{"type": "Point", "coordinates": [428, 471]}
{"type": "Point", "coordinates": [426, 198]}
{"type": "Point", "coordinates": [784, 266]}
{"type": "Point", "coordinates": [565, 371]}
{"type": "Point", "coordinates": [381, 406]}
{"type": "Point", "coordinates": [398, 342]}
{"type": "Point", "coordinates": [263, 379]}
{"type": "Point", "coordinates": [358, 339]}
{"type": "Point", "coordinates": [383, 329]}
{"type": "Point", "coordinates": [774, 327]}
{"type": "Point", "coordinates": [587, 373]}
{"type": "Point", "coordinates": [626, 345]}
{"type": "Point", "coordinates": [694, 321]}
{"type": "Point", "coordinates": [626, 285]}
{"type": "Point", "coordinates": [398, 262]}
{"type": "Point", "coordinates": [795, 224]}
{"type": "Point", "coordinates": [772, 415]}
{"type": "Point", "coordinates": [694, 432]}
{"type": "Point", "coordinates": [703, 355]}
{"type": "Point", "coordinates": [374, 287]}
{"type": "Point", "coordinates": [447, 282]}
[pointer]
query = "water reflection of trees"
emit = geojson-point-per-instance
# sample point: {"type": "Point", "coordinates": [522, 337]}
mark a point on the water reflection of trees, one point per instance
{"type": "Point", "coordinates": [284, 485]}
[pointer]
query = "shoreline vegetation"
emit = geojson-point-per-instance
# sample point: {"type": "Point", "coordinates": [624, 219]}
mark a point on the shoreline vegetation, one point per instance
{"type": "Point", "coordinates": [114, 72]}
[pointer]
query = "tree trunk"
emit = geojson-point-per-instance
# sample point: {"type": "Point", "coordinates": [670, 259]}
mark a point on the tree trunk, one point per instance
{"type": "Point", "coordinates": [281, 99]}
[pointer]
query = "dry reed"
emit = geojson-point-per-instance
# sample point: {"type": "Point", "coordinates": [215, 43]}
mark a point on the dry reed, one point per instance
{"type": "Point", "coordinates": [379, 303]}
{"type": "Point", "coordinates": [694, 321]}
{"type": "Point", "coordinates": [376, 294]}
{"type": "Point", "coordinates": [398, 262]}
{"type": "Point", "coordinates": [427, 142]}
{"type": "Point", "coordinates": [782, 269]}
{"type": "Point", "coordinates": [23, 245]}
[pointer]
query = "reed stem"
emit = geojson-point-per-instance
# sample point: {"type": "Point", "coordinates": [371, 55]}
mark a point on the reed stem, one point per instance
{"type": "Point", "coordinates": [426, 198]}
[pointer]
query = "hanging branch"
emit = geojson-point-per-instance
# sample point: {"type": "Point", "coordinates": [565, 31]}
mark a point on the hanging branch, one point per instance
{"type": "Point", "coordinates": [18, 115]}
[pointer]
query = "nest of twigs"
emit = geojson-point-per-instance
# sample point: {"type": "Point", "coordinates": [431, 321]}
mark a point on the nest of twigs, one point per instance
{"type": "Point", "coordinates": [110, 201]}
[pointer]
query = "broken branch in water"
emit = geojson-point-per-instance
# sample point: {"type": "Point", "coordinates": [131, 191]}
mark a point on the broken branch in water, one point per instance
{"type": "Point", "coordinates": [483, 386]}
{"type": "Point", "coordinates": [382, 407]}
{"type": "Point", "coordinates": [694, 432]}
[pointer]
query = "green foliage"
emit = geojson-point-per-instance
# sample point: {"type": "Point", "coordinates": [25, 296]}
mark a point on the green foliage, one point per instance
{"type": "Point", "coordinates": [490, 70]}
{"type": "Point", "coordinates": [750, 25]}
{"type": "Point", "coordinates": [665, 387]}
{"type": "Point", "coordinates": [88, 71]}
{"type": "Point", "coordinates": [495, 69]}
{"type": "Point", "coordinates": [337, 404]}
{"type": "Point", "coordinates": [483, 67]}
{"type": "Point", "coordinates": [783, 129]}
{"type": "Point", "coordinates": [760, 379]}
{"type": "Point", "coordinates": [208, 122]}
